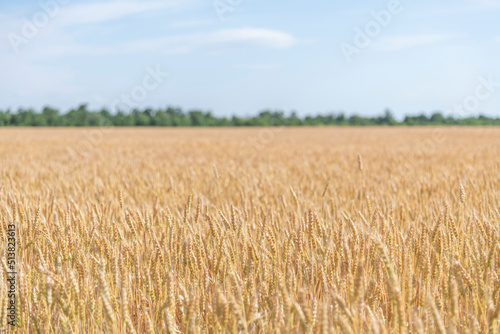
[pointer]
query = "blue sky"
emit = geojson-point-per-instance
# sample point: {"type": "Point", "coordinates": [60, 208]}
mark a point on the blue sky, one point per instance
{"type": "Point", "coordinates": [253, 54]}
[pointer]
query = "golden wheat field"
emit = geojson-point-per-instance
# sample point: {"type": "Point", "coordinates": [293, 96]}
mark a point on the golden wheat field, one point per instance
{"type": "Point", "coordinates": [261, 230]}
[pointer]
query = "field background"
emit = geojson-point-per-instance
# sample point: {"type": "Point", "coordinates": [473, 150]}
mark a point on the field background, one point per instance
{"type": "Point", "coordinates": [254, 229]}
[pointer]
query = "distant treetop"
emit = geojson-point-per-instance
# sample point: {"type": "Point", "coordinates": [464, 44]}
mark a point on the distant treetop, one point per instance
{"type": "Point", "coordinates": [172, 116]}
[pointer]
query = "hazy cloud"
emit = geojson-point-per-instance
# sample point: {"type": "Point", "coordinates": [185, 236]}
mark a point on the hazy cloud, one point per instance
{"type": "Point", "coordinates": [186, 43]}
{"type": "Point", "coordinates": [112, 10]}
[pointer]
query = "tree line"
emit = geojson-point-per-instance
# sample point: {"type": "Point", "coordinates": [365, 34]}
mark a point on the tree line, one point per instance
{"type": "Point", "coordinates": [173, 116]}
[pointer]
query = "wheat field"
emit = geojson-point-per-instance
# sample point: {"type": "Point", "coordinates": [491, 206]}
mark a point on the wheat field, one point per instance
{"type": "Point", "coordinates": [252, 230]}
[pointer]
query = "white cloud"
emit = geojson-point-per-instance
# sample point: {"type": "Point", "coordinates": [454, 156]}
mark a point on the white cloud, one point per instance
{"type": "Point", "coordinates": [78, 14]}
{"type": "Point", "coordinates": [180, 44]}
{"type": "Point", "coordinates": [227, 38]}
{"type": "Point", "coordinates": [259, 37]}
{"type": "Point", "coordinates": [392, 43]}
{"type": "Point", "coordinates": [112, 10]}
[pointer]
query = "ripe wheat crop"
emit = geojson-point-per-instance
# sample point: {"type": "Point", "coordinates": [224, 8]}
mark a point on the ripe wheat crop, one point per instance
{"type": "Point", "coordinates": [323, 230]}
